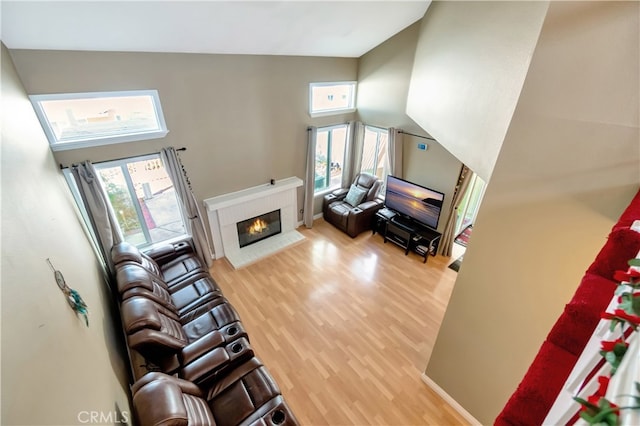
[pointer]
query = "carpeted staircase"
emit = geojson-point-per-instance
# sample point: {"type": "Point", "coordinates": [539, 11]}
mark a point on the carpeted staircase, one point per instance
{"type": "Point", "coordinates": [557, 356]}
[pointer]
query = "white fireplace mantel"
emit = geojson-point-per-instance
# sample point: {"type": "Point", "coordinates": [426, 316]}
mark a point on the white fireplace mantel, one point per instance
{"type": "Point", "coordinates": [224, 211]}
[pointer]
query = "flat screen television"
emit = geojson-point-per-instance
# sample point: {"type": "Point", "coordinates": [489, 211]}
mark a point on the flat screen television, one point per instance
{"type": "Point", "coordinates": [415, 201]}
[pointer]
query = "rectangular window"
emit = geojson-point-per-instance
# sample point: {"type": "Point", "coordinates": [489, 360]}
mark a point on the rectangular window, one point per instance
{"type": "Point", "coordinates": [79, 120]}
{"type": "Point", "coordinates": [332, 98]}
{"type": "Point", "coordinates": [374, 154]}
{"type": "Point", "coordinates": [143, 199]}
{"type": "Point", "coordinates": [330, 146]}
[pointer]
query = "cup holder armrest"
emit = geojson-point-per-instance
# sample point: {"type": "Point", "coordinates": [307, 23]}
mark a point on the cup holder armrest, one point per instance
{"type": "Point", "coordinates": [212, 340]}
{"type": "Point", "coordinates": [214, 362]}
{"type": "Point", "coordinates": [201, 346]}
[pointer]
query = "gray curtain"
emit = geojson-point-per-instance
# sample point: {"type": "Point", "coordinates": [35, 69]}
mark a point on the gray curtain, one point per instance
{"type": "Point", "coordinates": [358, 147]}
{"type": "Point", "coordinates": [96, 202]}
{"type": "Point", "coordinates": [394, 152]}
{"type": "Point", "coordinates": [448, 236]}
{"type": "Point", "coordinates": [190, 209]}
{"type": "Point", "coordinates": [347, 167]}
{"type": "Point", "coordinates": [309, 183]}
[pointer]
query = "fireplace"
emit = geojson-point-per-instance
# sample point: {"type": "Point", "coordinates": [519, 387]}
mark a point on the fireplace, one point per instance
{"type": "Point", "coordinates": [226, 210]}
{"type": "Point", "coordinates": [258, 228]}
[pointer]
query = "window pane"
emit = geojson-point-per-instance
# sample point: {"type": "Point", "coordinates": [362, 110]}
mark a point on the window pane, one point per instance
{"type": "Point", "coordinates": [330, 146]}
{"type": "Point", "coordinates": [338, 142]}
{"type": "Point", "coordinates": [382, 163]}
{"type": "Point", "coordinates": [144, 200]}
{"type": "Point", "coordinates": [328, 97]}
{"type": "Point", "coordinates": [74, 120]}
{"type": "Point", "coordinates": [322, 154]}
{"type": "Point", "coordinates": [114, 182]}
{"type": "Point", "coordinates": [374, 154]}
{"type": "Point", "coordinates": [369, 151]}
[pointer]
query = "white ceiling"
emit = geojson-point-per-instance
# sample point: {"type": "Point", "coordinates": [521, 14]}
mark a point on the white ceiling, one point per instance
{"type": "Point", "coordinates": [301, 28]}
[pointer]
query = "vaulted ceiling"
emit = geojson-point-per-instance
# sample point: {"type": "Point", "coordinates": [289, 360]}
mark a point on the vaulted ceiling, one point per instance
{"type": "Point", "coordinates": [300, 28]}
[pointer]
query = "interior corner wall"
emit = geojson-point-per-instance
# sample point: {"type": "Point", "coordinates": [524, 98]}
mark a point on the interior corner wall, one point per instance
{"type": "Point", "coordinates": [470, 63]}
{"type": "Point", "coordinates": [384, 74]}
{"type": "Point", "coordinates": [569, 165]}
{"type": "Point", "coordinates": [55, 370]}
{"type": "Point", "coordinates": [242, 118]}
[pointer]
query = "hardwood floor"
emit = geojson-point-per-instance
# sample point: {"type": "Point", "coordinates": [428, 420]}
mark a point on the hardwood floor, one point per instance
{"type": "Point", "coordinates": [346, 327]}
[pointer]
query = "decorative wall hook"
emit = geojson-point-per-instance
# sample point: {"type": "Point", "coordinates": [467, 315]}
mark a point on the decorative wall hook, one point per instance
{"type": "Point", "coordinates": [73, 297]}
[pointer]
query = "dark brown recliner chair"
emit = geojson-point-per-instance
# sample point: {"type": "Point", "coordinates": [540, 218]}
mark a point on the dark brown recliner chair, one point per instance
{"type": "Point", "coordinates": [188, 299]}
{"type": "Point", "coordinates": [172, 263]}
{"type": "Point", "coordinates": [197, 350]}
{"type": "Point", "coordinates": [246, 396]}
{"type": "Point", "coordinates": [352, 209]}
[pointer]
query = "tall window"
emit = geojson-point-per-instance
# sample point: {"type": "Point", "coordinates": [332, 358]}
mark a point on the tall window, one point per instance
{"type": "Point", "coordinates": [143, 199]}
{"type": "Point", "coordinates": [78, 120]}
{"type": "Point", "coordinates": [374, 154]}
{"type": "Point", "coordinates": [330, 146]}
{"type": "Point", "coordinates": [470, 204]}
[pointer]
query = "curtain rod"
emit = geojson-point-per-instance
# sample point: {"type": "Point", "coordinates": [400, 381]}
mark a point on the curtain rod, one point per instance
{"type": "Point", "coordinates": [62, 167]}
{"type": "Point", "coordinates": [400, 131]}
{"type": "Point", "coordinates": [332, 125]}
{"type": "Point", "coordinates": [417, 136]}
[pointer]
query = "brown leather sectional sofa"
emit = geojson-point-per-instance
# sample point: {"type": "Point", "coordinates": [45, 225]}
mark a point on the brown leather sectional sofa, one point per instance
{"type": "Point", "coordinates": [191, 357]}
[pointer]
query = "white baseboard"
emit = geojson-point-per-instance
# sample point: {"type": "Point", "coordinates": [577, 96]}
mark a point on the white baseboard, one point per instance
{"type": "Point", "coordinates": [315, 217]}
{"type": "Point", "coordinates": [449, 400]}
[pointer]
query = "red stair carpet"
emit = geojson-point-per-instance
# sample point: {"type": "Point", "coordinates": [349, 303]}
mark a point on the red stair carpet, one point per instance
{"type": "Point", "coordinates": [535, 395]}
{"type": "Point", "coordinates": [463, 237]}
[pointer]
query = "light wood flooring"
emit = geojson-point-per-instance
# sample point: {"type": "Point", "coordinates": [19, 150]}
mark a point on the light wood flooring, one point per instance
{"type": "Point", "coordinates": [346, 327]}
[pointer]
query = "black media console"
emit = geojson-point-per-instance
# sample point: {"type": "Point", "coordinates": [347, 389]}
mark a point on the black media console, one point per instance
{"type": "Point", "coordinates": [407, 233]}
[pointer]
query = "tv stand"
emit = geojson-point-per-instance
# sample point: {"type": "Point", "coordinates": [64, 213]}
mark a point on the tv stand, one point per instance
{"type": "Point", "coordinates": [409, 234]}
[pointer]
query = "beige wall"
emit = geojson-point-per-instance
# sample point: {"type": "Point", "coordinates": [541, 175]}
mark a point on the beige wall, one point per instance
{"type": "Point", "coordinates": [53, 366]}
{"type": "Point", "coordinates": [568, 167]}
{"type": "Point", "coordinates": [242, 118]}
{"type": "Point", "coordinates": [384, 74]}
{"type": "Point", "coordinates": [470, 62]}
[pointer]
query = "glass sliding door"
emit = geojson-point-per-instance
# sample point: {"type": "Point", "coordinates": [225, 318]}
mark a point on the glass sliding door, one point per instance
{"type": "Point", "coordinates": [143, 199]}
{"type": "Point", "coordinates": [468, 209]}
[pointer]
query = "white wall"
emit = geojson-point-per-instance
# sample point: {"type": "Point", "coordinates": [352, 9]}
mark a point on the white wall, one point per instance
{"type": "Point", "coordinates": [568, 167]}
{"type": "Point", "coordinates": [54, 369]}
{"type": "Point", "coordinates": [471, 60]}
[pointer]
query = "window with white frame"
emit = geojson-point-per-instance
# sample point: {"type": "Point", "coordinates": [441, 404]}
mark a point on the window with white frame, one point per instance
{"type": "Point", "coordinates": [332, 98]}
{"type": "Point", "coordinates": [375, 153]}
{"type": "Point", "coordinates": [330, 150]}
{"type": "Point", "coordinates": [143, 199]}
{"type": "Point", "coordinates": [79, 120]}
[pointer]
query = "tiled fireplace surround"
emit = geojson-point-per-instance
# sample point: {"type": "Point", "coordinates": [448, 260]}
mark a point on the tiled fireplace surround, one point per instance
{"type": "Point", "coordinates": [226, 210]}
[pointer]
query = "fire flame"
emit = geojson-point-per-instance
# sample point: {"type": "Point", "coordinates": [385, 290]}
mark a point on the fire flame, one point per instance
{"type": "Point", "coordinates": [257, 227]}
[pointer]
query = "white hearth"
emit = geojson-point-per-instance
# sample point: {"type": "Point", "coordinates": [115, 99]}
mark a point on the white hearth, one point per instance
{"type": "Point", "coordinates": [225, 211]}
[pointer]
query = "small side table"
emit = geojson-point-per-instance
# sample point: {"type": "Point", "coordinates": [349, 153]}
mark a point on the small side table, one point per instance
{"type": "Point", "coordinates": [382, 218]}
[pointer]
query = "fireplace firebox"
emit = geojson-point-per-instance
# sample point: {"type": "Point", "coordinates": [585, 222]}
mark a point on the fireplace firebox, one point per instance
{"type": "Point", "coordinates": [258, 228]}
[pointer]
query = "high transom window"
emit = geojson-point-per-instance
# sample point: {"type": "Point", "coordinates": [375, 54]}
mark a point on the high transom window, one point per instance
{"type": "Point", "coordinates": [78, 120]}
{"type": "Point", "coordinates": [332, 98]}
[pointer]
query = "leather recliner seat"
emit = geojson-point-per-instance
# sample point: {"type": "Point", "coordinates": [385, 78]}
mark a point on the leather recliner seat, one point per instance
{"type": "Point", "coordinates": [246, 395]}
{"type": "Point", "coordinates": [174, 270]}
{"type": "Point", "coordinates": [337, 207]}
{"type": "Point", "coordinates": [197, 350]}
{"type": "Point", "coordinates": [187, 299]}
